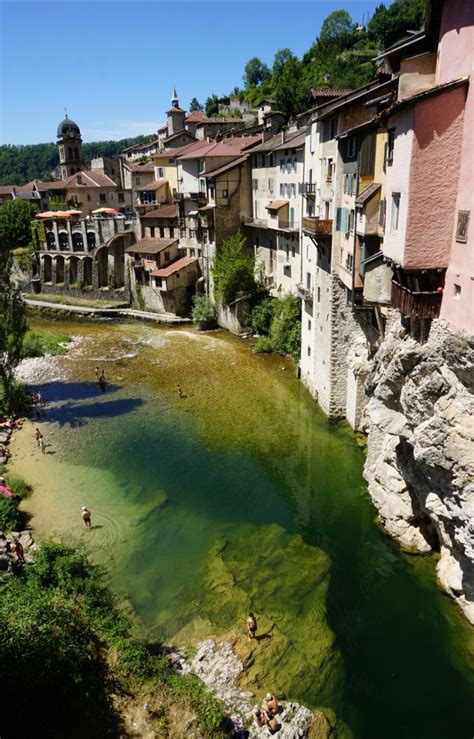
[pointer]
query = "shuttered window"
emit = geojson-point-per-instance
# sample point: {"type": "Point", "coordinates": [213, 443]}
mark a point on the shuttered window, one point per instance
{"type": "Point", "coordinates": [338, 219]}
{"type": "Point", "coordinates": [367, 155]}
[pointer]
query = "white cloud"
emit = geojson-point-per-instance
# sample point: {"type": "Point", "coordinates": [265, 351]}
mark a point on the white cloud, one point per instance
{"type": "Point", "coordinates": [122, 130]}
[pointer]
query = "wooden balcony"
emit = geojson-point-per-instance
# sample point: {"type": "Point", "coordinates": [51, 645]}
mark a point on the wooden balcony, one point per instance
{"type": "Point", "coordinates": [304, 293]}
{"type": "Point", "coordinates": [307, 188]}
{"type": "Point", "coordinates": [416, 304]}
{"type": "Point", "coordinates": [313, 226]}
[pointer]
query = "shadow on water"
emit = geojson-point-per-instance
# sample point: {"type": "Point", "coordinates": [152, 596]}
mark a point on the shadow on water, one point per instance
{"type": "Point", "coordinates": [77, 391]}
{"type": "Point", "coordinates": [73, 414]}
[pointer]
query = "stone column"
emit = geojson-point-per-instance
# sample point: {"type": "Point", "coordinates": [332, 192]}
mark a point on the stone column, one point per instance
{"type": "Point", "coordinates": [69, 234]}
{"type": "Point", "coordinates": [80, 270]}
{"type": "Point", "coordinates": [56, 236]}
{"type": "Point", "coordinates": [95, 275]}
{"type": "Point", "coordinates": [41, 268]}
{"type": "Point", "coordinates": [66, 274]}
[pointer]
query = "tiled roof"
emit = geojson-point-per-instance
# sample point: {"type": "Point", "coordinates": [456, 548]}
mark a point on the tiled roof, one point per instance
{"type": "Point", "coordinates": [174, 136]}
{"type": "Point", "coordinates": [89, 179]}
{"type": "Point", "coordinates": [276, 204]}
{"type": "Point", "coordinates": [219, 121]}
{"type": "Point", "coordinates": [328, 92]}
{"type": "Point", "coordinates": [212, 150]}
{"type": "Point", "coordinates": [6, 189]}
{"type": "Point", "coordinates": [174, 267]}
{"type": "Point", "coordinates": [197, 116]}
{"type": "Point", "coordinates": [143, 167]}
{"type": "Point", "coordinates": [166, 211]}
{"type": "Point", "coordinates": [150, 246]}
{"type": "Point", "coordinates": [151, 186]}
{"type": "Point", "coordinates": [367, 194]}
{"type": "Point", "coordinates": [294, 142]}
{"type": "Point", "coordinates": [176, 110]}
{"type": "Point", "coordinates": [178, 150]}
{"type": "Point", "coordinates": [137, 147]}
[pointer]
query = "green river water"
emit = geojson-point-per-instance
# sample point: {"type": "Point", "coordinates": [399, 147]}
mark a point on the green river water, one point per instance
{"type": "Point", "coordinates": [243, 496]}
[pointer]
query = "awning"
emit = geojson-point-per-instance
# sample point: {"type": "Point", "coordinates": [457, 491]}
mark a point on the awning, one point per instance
{"type": "Point", "coordinates": [367, 194]}
{"type": "Point", "coordinates": [276, 204]}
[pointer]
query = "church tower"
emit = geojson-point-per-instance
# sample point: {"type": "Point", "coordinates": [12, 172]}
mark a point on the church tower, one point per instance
{"type": "Point", "coordinates": [71, 159]}
{"type": "Point", "coordinates": [175, 115]}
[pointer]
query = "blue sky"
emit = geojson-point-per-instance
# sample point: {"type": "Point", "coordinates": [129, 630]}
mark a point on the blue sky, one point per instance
{"type": "Point", "coordinates": [113, 64]}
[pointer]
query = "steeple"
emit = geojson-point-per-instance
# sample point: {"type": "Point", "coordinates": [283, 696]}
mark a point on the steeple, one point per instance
{"type": "Point", "coordinates": [71, 159]}
{"type": "Point", "coordinates": [174, 99]}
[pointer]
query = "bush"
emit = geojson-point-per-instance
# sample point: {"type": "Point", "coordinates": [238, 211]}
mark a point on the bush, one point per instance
{"type": "Point", "coordinates": [140, 298]}
{"type": "Point", "coordinates": [19, 486]}
{"type": "Point", "coordinates": [263, 345]}
{"type": "Point", "coordinates": [234, 270]}
{"type": "Point", "coordinates": [204, 313]}
{"type": "Point", "coordinates": [285, 330]}
{"type": "Point", "coordinates": [11, 519]}
{"type": "Point", "coordinates": [40, 342]}
{"type": "Point", "coordinates": [19, 401]}
{"type": "Point", "coordinates": [261, 317]}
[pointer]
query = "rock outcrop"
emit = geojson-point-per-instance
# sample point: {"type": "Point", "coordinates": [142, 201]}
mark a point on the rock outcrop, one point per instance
{"type": "Point", "coordinates": [220, 669]}
{"type": "Point", "coordinates": [420, 460]}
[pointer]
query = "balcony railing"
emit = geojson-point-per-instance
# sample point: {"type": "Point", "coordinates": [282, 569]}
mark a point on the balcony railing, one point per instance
{"type": "Point", "coordinates": [317, 226]}
{"type": "Point", "coordinates": [288, 225]}
{"type": "Point", "coordinates": [305, 293]}
{"type": "Point", "coordinates": [261, 222]}
{"type": "Point", "coordinates": [307, 188]}
{"type": "Point", "coordinates": [416, 304]}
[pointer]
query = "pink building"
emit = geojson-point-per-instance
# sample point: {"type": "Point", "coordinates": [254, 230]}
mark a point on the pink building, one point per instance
{"type": "Point", "coordinates": [430, 170]}
{"type": "Point", "coordinates": [456, 59]}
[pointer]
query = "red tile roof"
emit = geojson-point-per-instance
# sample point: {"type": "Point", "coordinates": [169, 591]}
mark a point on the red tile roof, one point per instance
{"type": "Point", "coordinates": [212, 150]}
{"type": "Point", "coordinates": [151, 186]}
{"type": "Point", "coordinates": [174, 267]}
{"type": "Point", "coordinates": [276, 204]}
{"type": "Point", "coordinates": [141, 167]}
{"type": "Point", "coordinates": [89, 179]}
{"type": "Point", "coordinates": [226, 167]}
{"type": "Point", "coordinates": [197, 116]}
{"type": "Point", "coordinates": [178, 150]}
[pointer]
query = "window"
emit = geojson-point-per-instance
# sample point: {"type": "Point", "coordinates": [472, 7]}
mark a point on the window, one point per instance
{"type": "Point", "coordinates": [171, 230]}
{"type": "Point", "coordinates": [137, 181]}
{"type": "Point", "coordinates": [329, 170]}
{"type": "Point", "coordinates": [308, 280]}
{"type": "Point", "coordinates": [351, 220]}
{"type": "Point", "coordinates": [270, 160]}
{"type": "Point", "coordinates": [225, 194]}
{"type": "Point", "coordinates": [457, 291]}
{"type": "Point", "coordinates": [293, 252]}
{"type": "Point", "coordinates": [390, 145]}
{"type": "Point", "coordinates": [121, 197]}
{"type": "Point", "coordinates": [270, 184]}
{"type": "Point", "coordinates": [167, 256]}
{"type": "Point", "coordinates": [319, 294]}
{"type": "Point", "coordinates": [282, 190]}
{"type": "Point", "coordinates": [102, 197]}
{"type": "Point", "coordinates": [395, 212]}
{"type": "Point", "coordinates": [255, 184]}
{"type": "Point", "coordinates": [111, 196]}
{"type": "Point", "coordinates": [161, 173]}
{"type": "Point", "coordinates": [383, 206]}
{"type": "Point", "coordinates": [332, 128]}
{"type": "Point", "coordinates": [309, 351]}
{"type": "Point", "coordinates": [351, 147]}
{"type": "Point", "coordinates": [152, 232]}
{"type": "Point", "coordinates": [463, 226]}
{"type": "Point", "coordinates": [282, 166]}
{"type": "Point", "coordinates": [349, 262]}
{"type": "Point", "coordinates": [293, 190]}
{"type": "Point", "coordinates": [309, 324]}
{"type": "Point", "coordinates": [295, 162]}
{"type": "Point", "coordinates": [88, 196]}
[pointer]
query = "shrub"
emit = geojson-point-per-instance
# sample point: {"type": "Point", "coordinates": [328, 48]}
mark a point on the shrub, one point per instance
{"type": "Point", "coordinates": [285, 330]}
{"type": "Point", "coordinates": [37, 343]}
{"type": "Point", "coordinates": [11, 519]}
{"type": "Point", "coordinates": [261, 317]}
{"type": "Point", "coordinates": [19, 401]}
{"type": "Point", "coordinates": [263, 345]}
{"type": "Point", "coordinates": [234, 269]}
{"type": "Point", "coordinates": [19, 486]}
{"type": "Point", "coordinates": [204, 313]}
{"type": "Point", "coordinates": [140, 298]}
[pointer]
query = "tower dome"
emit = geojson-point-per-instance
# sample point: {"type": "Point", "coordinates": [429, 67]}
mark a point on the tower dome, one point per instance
{"type": "Point", "coordinates": [66, 126]}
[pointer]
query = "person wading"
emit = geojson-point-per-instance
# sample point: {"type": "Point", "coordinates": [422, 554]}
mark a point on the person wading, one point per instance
{"type": "Point", "coordinates": [86, 516]}
{"type": "Point", "coordinates": [251, 625]}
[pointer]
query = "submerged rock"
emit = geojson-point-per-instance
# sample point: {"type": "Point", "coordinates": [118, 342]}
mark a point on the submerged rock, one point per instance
{"type": "Point", "coordinates": [420, 452]}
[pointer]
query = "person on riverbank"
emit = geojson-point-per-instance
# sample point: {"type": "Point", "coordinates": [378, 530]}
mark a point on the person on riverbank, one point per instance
{"type": "Point", "coordinates": [180, 391]}
{"type": "Point", "coordinates": [270, 705]}
{"type": "Point", "coordinates": [102, 381]}
{"type": "Point", "coordinates": [19, 551]}
{"type": "Point", "coordinates": [38, 437]}
{"type": "Point", "coordinates": [258, 716]}
{"type": "Point", "coordinates": [86, 516]}
{"type": "Point", "coordinates": [251, 626]}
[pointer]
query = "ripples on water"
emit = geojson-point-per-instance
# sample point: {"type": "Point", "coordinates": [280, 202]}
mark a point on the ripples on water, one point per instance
{"type": "Point", "coordinates": [243, 496]}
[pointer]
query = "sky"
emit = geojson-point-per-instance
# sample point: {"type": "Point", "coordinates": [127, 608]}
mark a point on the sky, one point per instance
{"type": "Point", "coordinates": [113, 64]}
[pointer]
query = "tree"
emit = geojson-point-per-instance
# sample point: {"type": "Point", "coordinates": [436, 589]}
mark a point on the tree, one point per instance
{"type": "Point", "coordinates": [336, 28]}
{"type": "Point", "coordinates": [195, 105]}
{"type": "Point", "coordinates": [288, 90]}
{"type": "Point", "coordinates": [15, 223]}
{"type": "Point", "coordinates": [212, 105]}
{"type": "Point", "coordinates": [256, 72]}
{"type": "Point", "coordinates": [234, 270]}
{"type": "Point", "coordinates": [389, 25]}
{"type": "Point", "coordinates": [282, 56]}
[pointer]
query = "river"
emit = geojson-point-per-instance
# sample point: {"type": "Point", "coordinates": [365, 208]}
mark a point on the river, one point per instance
{"type": "Point", "coordinates": [242, 496]}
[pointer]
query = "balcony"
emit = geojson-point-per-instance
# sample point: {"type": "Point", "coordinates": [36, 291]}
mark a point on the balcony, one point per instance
{"type": "Point", "coordinates": [313, 226]}
{"type": "Point", "coordinates": [180, 196]}
{"type": "Point", "coordinates": [288, 225]}
{"type": "Point", "coordinates": [257, 222]}
{"type": "Point", "coordinates": [307, 188]}
{"type": "Point", "coordinates": [304, 293]}
{"type": "Point", "coordinates": [416, 304]}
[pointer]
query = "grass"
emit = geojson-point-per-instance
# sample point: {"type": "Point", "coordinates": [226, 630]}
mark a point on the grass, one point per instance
{"type": "Point", "coordinates": [74, 300]}
{"type": "Point", "coordinates": [38, 342]}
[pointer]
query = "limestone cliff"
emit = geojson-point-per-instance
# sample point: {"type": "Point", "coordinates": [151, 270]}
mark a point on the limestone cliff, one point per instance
{"type": "Point", "coordinates": [420, 461]}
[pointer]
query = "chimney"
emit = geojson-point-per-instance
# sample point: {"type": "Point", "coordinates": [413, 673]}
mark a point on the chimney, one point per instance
{"type": "Point", "coordinates": [283, 135]}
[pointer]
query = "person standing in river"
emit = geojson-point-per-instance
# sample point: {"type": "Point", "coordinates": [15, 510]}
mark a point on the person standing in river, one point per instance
{"type": "Point", "coordinates": [180, 391]}
{"type": "Point", "coordinates": [86, 516]}
{"type": "Point", "coordinates": [251, 625]}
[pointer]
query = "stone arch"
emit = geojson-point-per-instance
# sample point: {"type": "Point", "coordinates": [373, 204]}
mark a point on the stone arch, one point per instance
{"type": "Point", "coordinates": [116, 252]}
{"type": "Point", "coordinates": [73, 270]}
{"type": "Point", "coordinates": [59, 270]}
{"type": "Point", "coordinates": [88, 271]}
{"type": "Point", "coordinates": [50, 240]}
{"type": "Point", "coordinates": [91, 240]}
{"type": "Point", "coordinates": [47, 268]}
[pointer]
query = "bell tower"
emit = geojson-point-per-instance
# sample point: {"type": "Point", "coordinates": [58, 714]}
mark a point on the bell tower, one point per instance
{"type": "Point", "coordinates": [176, 115]}
{"type": "Point", "coordinates": [71, 159]}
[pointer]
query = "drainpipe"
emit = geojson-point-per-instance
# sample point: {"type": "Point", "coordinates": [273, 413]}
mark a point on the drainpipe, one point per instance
{"type": "Point", "coordinates": [354, 242]}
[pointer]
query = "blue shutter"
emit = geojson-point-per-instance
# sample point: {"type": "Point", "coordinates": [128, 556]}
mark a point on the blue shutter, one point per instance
{"type": "Point", "coordinates": [338, 219]}
{"type": "Point", "coordinates": [345, 220]}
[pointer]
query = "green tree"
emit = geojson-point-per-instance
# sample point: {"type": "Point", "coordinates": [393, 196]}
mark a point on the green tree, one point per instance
{"type": "Point", "coordinates": [195, 105]}
{"type": "Point", "coordinates": [234, 270]}
{"type": "Point", "coordinates": [15, 223]}
{"type": "Point", "coordinates": [337, 28]}
{"type": "Point", "coordinates": [256, 72]}
{"type": "Point", "coordinates": [285, 331]}
{"type": "Point", "coordinates": [282, 56]}
{"type": "Point", "coordinates": [289, 93]}
{"type": "Point", "coordinates": [389, 25]}
{"type": "Point", "coordinates": [212, 106]}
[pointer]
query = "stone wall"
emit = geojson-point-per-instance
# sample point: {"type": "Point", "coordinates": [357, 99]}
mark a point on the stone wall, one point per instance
{"type": "Point", "coordinates": [420, 460]}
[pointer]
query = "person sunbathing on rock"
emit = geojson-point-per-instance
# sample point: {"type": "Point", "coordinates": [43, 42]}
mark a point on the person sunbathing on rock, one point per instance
{"type": "Point", "coordinates": [258, 716]}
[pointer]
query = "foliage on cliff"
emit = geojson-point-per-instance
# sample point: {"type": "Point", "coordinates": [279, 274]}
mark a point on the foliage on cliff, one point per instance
{"type": "Point", "coordinates": [21, 164]}
{"type": "Point", "coordinates": [234, 270]}
{"type": "Point", "coordinates": [278, 321]}
{"type": "Point", "coordinates": [340, 57]}
{"type": "Point", "coordinates": [68, 650]}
